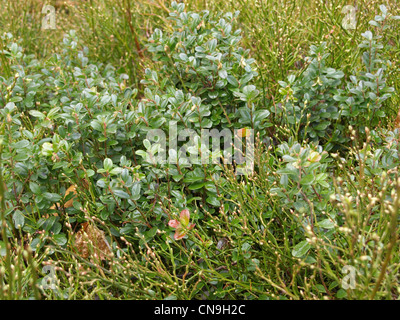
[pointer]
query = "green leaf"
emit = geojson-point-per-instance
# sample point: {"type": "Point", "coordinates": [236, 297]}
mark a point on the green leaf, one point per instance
{"type": "Point", "coordinates": [246, 78]}
{"type": "Point", "coordinates": [250, 92]}
{"type": "Point", "coordinates": [301, 249]}
{"type": "Point", "coordinates": [341, 294]}
{"type": "Point", "coordinates": [223, 74]}
{"type": "Point", "coordinates": [90, 172]}
{"type": "Point", "coordinates": [96, 125]}
{"type": "Point", "coordinates": [15, 99]}
{"type": "Point", "coordinates": [287, 158]}
{"type": "Point", "coordinates": [320, 288]}
{"type": "Point", "coordinates": [368, 35]}
{"type": "Point", "coordinates": [327, 224]}
{"type": "Point", "coordinates": [53, 197]}
{"type": "Point", "coordinates": [212, 44]}
{"type": "Point", "coordinates": [183, 56]}
{"type": "Point", "coordinates": [35, 188]}
{"type": "Point", "coordinates": [37, 114]}
{"type": "Point", "coordinates": [322, 126]}
{"type": "Point", "coordinates": [213, 201]}
{"type": "Point", "coordinates": [261, 115]}
{"type": "Point", "coordinates": [233, 81]}
{"type": "Point", "coordinates": [60, 239]}
{"type": "Point", "coordinates": [191, 179]}
{"type": "Point", "coordinates": [22, 156]}
{"type": "Point", "coordinates": [147, 144]}
{"type": "Point", "coordinates": [288, 171]}
{"type": "Point", "coordinates": [116, 171]}
{"type": "Point", "coordinates": [136, 191]}
{"type": "Point", "coordinates": [48, 223]}
{"type": "Point", "coordinates": [333, 285]}
{"type": "Point", "coordinates": [18, 219]}
{"type": "Point", "coordinates": [35, 242]}
{"type": "Point", "coordinates": [196, 186]}
{"type": "Point", "coordinates": [107, 164]}
{"type": "Point", "coordinates": [53, 112]}
{"type": "Point", "coordinates": [151, 233]}
{"type": "Point", "coordinates": [121, 194]}
{"type": "Point", "coordinates": [324, 184]}
{"type": "Point", "coordinates": [20, 144]}
{"type": "Point", "coordinates": [383, 9]}
{"type": "Point", "coordinates": [307, 180]}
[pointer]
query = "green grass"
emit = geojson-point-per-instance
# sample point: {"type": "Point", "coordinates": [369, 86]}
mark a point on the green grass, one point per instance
{"type": "Point", "coordinates": [267, 240]}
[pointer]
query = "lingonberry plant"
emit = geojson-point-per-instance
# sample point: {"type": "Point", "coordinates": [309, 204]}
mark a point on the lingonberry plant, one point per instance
{"type": "Point", "coordinates": [102, 176]}
{"type": "Point", "coordinates": [322, 103]}
{"type": "Point", "coordinates": [202, 56]}
{"type": "Point", "coordinates": [88, 129]}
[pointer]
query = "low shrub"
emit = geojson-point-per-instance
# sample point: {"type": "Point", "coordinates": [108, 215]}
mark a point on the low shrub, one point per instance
{"type": "Point", "coordinates": [98, 185]}
{"type": "Point", "coordinates": [323, 101]}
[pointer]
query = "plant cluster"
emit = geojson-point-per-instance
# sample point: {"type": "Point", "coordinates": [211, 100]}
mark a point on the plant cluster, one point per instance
{"type": "Point", "coordinates": [321, 103]}
{"type": "Point", "coordinates": [95, 182]}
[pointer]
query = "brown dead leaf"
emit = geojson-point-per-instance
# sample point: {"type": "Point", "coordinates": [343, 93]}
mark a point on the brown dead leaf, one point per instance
{"type": "Point", "coordinates": [70, 202]}
{"type": "Point", "coordinates": [99, 247]}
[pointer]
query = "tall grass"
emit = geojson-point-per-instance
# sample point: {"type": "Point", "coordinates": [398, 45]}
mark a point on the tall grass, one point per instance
{"type": "Point", "coordinates": [23, 19]}
{"type": "Point", "coordinates": [18, 267]}
{"type": "Point", "coordinates": [116, 32]}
